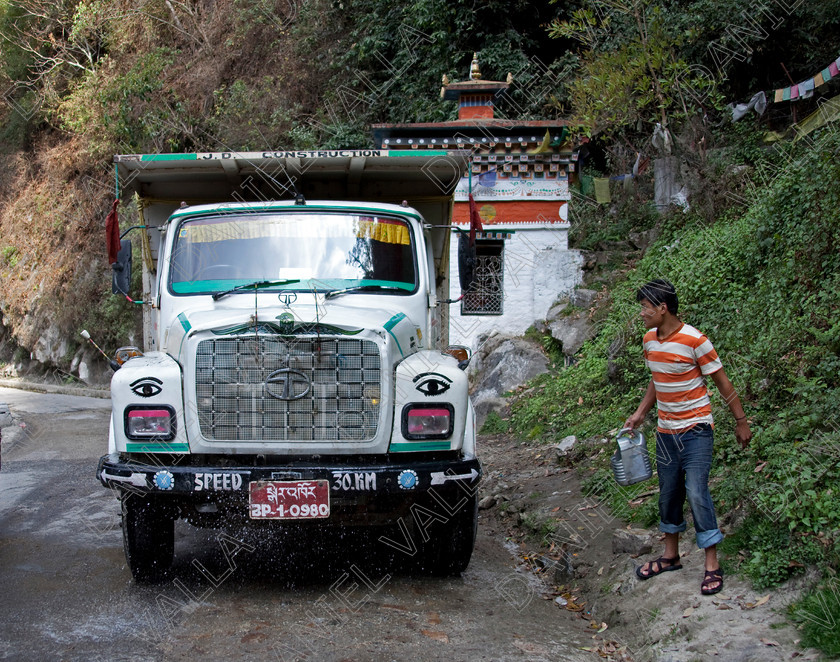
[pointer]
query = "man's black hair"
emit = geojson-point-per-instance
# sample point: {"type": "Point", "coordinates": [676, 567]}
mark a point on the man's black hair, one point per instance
{"type": "Point", "coordinates": [659, 291]}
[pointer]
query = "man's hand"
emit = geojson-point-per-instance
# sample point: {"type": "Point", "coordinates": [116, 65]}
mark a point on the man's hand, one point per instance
{"type": "Point", "coordinates": [634, 421]}
{"type": "Point", "coordinates": [743, 433]}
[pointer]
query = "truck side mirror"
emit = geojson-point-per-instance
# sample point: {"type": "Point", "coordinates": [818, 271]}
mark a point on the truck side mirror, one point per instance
{"type": "Point", "coordinates": [466, 262]}
{"type": "Point", "coordinates": [121, 280]}
{"type": "Point", "coordinates": [461, 353]}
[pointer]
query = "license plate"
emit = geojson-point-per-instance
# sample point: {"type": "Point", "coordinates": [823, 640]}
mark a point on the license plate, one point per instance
{"type": "Point", "coordinates": [293, 499]}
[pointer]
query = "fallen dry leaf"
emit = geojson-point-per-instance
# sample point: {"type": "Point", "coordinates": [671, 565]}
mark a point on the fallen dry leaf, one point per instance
{"type": "Point", "coordinates": [688, 612]}
{"type": "Point", "coordinates": [437, 636]}
{"type": "Point", "coordinates": [580, 400]}
{"type": "Point", "coordinates": [769, 642]}
{"type": "Point", "coordinates": [762, 600]}
{"type": "Point", "coordinates": [724, 607]}
{"type": "Point", "coordinates": [760, 467]}
{"type": "Point", "coordinates": [434, 618]}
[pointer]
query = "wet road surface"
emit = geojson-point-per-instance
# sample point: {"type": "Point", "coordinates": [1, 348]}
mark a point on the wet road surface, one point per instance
{"type": "Point", "coordinates": [67, 593]}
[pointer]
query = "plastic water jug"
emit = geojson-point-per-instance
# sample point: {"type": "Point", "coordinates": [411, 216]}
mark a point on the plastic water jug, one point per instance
{"type": "Point", "coordinates": [631, 463]}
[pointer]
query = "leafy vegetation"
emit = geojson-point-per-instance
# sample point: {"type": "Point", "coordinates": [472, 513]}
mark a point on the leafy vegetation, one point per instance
{"type": "Point", "coordinates": [639, 78]}
{"type": "Point", "coordinates": [764, 283]}
{"type": "Point", "coordinates": [819, 617]}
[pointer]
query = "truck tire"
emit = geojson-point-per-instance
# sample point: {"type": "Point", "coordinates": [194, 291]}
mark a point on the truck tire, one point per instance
{"type": "Point", "coordinates": [450, 546]}
{"type": "Point", "coordinates": [148, 538]}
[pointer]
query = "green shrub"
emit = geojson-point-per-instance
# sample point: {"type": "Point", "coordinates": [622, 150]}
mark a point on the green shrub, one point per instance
{"type": "Point", "coordinates": [494, 424]}
{"type": "Point", "coordinates": [10, 255]}
{"type": "Point", "coordinates": [819, 616]}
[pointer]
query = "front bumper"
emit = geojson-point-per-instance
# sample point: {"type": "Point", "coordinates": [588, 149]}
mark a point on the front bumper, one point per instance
{"type": "Point", "coordinates": [362, 491]}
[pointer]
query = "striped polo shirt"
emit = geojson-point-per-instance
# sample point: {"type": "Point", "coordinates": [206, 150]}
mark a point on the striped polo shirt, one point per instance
{"type": "Point", "coordinates": [679, 364]}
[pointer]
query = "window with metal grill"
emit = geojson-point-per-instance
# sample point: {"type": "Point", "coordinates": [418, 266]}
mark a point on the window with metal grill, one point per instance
{"type": "Point", "coordinates": [485, 296]}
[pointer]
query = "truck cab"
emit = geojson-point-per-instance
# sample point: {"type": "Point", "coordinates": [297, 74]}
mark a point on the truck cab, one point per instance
{"type": "Point", "coordinates": [295, 369]}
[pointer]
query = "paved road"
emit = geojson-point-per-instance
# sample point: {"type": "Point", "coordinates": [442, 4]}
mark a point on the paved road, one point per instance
{"type": "Point", "coordinates": [67, 594]}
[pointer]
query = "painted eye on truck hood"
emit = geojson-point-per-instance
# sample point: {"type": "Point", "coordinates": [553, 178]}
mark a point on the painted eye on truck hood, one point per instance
{"type": "Point", "coordinates": [146, 387]}
{"type": "Point", "coordinates": [432, 383]}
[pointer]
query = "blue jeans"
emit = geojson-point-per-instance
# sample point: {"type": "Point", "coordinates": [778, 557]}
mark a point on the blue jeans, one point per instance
{"type": "Point", "coordinates": [683, 461]}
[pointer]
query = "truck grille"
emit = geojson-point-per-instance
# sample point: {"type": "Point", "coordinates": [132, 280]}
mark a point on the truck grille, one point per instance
{"type": "Point", "coordinates": [234, 403]}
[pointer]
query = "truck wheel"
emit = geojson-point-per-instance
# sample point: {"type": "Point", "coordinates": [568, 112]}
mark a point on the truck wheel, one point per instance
{"type": "Point", "coordinates": [450, 546]}
{"type": "Point", "coordinates": [148, 538]}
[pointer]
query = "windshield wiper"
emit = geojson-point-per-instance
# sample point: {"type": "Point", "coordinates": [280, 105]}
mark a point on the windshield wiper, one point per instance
{"type": "Point", "coordinates": [361, 288]}
{"type": "Point", "coordinates": [256, 285]}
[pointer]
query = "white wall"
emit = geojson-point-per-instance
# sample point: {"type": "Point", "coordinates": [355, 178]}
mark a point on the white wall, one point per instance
{"type": "Point", "coordinates": [539, 268]}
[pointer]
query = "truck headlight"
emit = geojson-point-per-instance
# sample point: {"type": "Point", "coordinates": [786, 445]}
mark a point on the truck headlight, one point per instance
{"type": "Point", "coordinates": [146, 422]}
{"type": "Point", "coordinates": [428, 421]}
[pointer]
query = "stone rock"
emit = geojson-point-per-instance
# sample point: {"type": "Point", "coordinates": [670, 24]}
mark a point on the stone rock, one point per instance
{"type": "Point", "coordinates": [566, 445]}
{"type": "Point", "coordinates": [583, 298]}
{"type": "Point", "coordinates": [642, 240]}
{"type": "Point", "coordinates": [51, 346]}
{"type": "Point", "coordinates": [501, 364]}
{"type": "Point", "coordinates": [555, 310]}
{"type": "Point", "coordinates": [588, 258]}
{"type": "Point", "coordinates": [631, 541]}
{"type": "Point", "coordinates": [77, 359]}
{"type": "Point", "coordinates": [487, 502]}
{"type": "Point", "coordinates": [572, 332]}
{"type": "Point", "coordinates": [563, 570]}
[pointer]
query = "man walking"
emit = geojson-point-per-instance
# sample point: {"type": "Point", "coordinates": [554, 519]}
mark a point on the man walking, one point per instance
{"type": "Point", "coordinates": [679, 358]}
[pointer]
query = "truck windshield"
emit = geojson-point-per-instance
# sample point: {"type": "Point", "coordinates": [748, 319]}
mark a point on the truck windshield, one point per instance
{"type": "Point", "coordinates": [320, 252]}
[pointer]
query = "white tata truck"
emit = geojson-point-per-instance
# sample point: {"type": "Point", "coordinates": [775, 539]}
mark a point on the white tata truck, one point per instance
{"type": "Point", "coordinates": [295, 369]}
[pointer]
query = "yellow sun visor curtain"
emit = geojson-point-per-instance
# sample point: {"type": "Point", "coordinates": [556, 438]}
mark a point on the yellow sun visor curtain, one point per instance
{"type": "Point", "coordinates": [212, 230]}
{"type": "Point", "coordinates": [384, 230]}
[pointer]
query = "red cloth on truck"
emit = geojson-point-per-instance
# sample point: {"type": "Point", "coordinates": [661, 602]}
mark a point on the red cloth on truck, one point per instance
{"type": "Point", "coordinates": [112, 233]}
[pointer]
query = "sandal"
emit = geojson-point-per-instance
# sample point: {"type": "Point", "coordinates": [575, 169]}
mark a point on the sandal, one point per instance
{"type": "Point", "coordinates": [712, 577]}
{"type": "Point", "coordinates": [673, 564]}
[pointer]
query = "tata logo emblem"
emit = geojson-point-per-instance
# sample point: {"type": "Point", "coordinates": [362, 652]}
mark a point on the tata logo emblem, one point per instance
{"type": "Point", "coordinates": [287, 298]}
{"type": "Point", "coordinates": [287, 384]}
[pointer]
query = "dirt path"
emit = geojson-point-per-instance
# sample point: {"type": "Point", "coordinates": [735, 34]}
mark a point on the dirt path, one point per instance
{"type": "Point", "coordinates": [539, 507]}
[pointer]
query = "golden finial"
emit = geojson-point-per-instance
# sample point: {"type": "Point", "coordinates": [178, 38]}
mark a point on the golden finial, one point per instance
{"type": "Point", "coordinates": [445, 79]}
{"type": "Point", "coordinates": [474, 72]}
{"type": "Point", "coordinates": [509, 78]}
